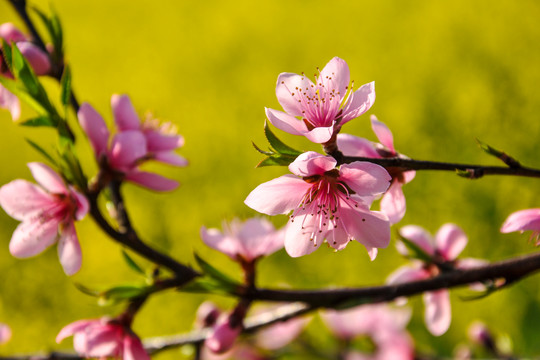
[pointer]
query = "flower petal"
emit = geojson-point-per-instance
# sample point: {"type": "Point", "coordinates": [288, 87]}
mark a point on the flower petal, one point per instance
{"type": "Point", "coordinates": [152, 181]}
{"type": "Point", "coordinates": [320, 134]}
{"type": "Point", "coordinates": [10, 33]}
{"type": "Point", "coordinates": [286, 122]}
{"type": "Point", "coordinates": [48, 178]}
{"type": "Point", "coordinates": [94, 127]}
{"type": "Point", "coordinates": [302, 235]}
{"type": "Point", "coordinates": [69, 250]}
{"type": "Point", "coordinates": [220, 242]}
{"type": "Point", "coordinates": [419, 236]}
{"type": "Point", "coordinates": [280, 334]}
{"type": "Point", "coordinates": [383, 133]}
{"type": "Point", "coordinates": [278, 196]}
{"type": "Point", "coordinates": [393, 203]}
{"type": "Point", "coordinates": [126, 148]}
{"type": "Point", "coordinates": [134, 349]}
{"type": "Point", "coordinates": [10, 102]}
{"type": "Point", "coordinates": [359, 102]}
{"type": "Point", "coordinates": [258, 237]}
{"type": "Point", "coordinates": [223, 336]}
{"type": "Point", "coordinates": [365, 178]}
{"type": "Point", "coordinates": [335, 76]}
{"type": "Point", "coordinates": [125, 116]}
{"type": "Point", "coordinates": [289, 90]}
{"type": "Point", "coordinates": [82, 204]}
{"type": "Point", "coordinates": [72, 328]}
{"type": "Point", "coordinates": [351, 145]}
{"type": "Point", "coordinates": [5, 333]}
{"type": "Point", "coordinates": [23, 200]}
{"type": "Point", "coordinates": [157, 141]}
{"type": "Point", "coordinates": [32, 237]}
{"type": "Point", "coordinates": [407, 274]}
{"type": "Point", "coordinates": [171, 158]}
{"type": "Point", "coordinates": [450, 241]}
{"type": "Point", "coordinates": [312, 163]}
{"type": "Point", "coordinates": [438, 311]}
{"type": "Point", "coordinates": [522, 220]}
{"type": "Point", "coordinates": [37, 58]}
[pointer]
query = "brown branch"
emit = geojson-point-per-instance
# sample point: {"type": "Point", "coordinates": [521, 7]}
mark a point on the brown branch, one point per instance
{"type": "Point", "coordinates": [475, 171]}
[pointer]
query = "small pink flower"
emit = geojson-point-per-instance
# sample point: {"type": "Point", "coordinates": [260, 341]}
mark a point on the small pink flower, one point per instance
{"type": "Point", "coordinates": [324, 106]}
{"type": "Point", "coordinates": [245, 241]}
{"type": "Point", "coordinates": [132, 145]}
{"type": "Point", "coordinates": [449, 242]}
{"type": "Point", "coordinates": [38, 60]}
{"type": "Point", "coordinates": [524, 220]}
{"type": "Point", "coordinates": [327, 203]}
{"type": "Point", "coordinates": [47, 213]}
{"type": "Point", "coordinates": [103, 338]}
{"type": "Point", "coordinates": [278, 335]}
{"type": "Point", "coordinates": [393, 202]}
{"type": "Point", "coordinates": [383, 325]}
{"type": "Point", "coordinates": [5, 333]}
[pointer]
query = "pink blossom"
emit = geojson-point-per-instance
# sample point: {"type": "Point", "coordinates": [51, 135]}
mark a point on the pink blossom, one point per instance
{"type": "Point", "coordinates": [449, 242]}
{"type": "Point", "coordinates": [47, 213]}
{"type": "Point", "coordinates": [223, 335]}
{"type": "Point", "coordinates": [5, 333]}
{"type": "Point", "coordinates": [385, 326]}
{"type": "Point", "coordinates": [245, 241]}
{"type": "Point", "coordinates": [324, 106]}
{"type": "Point", "coordinates": [37, 58]}
{"type": "Point", "coordinates": [134, 144]}
{"type": "Point", "coordinates": [524, 220]}
{"type": "Point", "coordinates": [103, 338]}
{"type": "Point", "coordinates": [327, 203]}
{"type": "Point", "coordinates": [393, 202]}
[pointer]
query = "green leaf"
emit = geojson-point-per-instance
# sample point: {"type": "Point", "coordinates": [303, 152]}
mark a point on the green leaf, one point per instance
{"type": "Point", "coordinates": [277, 144]}
{"type": "Point", "coordinates": [53, 27]}
{"type": "Point", "coordinates": [70, 166]}
{"type": "Point", "coordinates": [65, 82]}
{"type": "Point", "coordinates": [42, 152]}
{"type": "Point", "coordinates": [86, 290]}
{"type": "Point", "coordinates": [6, 51]}
{"type": "Point", "coordinates": [269, 153]}
{"type": "Point", "coordinates": [23, 95]}
{"type": "Point", "coordinates": [208, 285]}
{"type": "Point", "coordinates": [124, 292]}
{"type": "Point", "coordinates": [277, 160]}
{"type": "Point", "coordinates": [215, 273]}
{"type": "Point", "coordinates": [501, 155]}
{"type": "Point", "coordinates": [38, 121]}
{"type": "Point", "coordinates": [132, 264]}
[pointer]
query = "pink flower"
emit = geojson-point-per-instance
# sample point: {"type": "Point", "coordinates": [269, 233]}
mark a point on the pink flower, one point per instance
{"type": "Point", "coordinates": [223, 335]}
{"type": "Point", "coordinates": [449, 242]}
{"type": "Point", "coordinates": [38, 60]}
{"type": "Point", "coordinates": [103, 338]}
{"type": "Point", "coordinates": [524, 220]}
{"type": "Point", "coordinates": [5, 333]}
{"type": "Point", "coordinates": [47, 212]}
{"type": "Point", "coordinates": [393, 202]}
{"type": "Point", "coordinates": [324, 106]}
{"type": "Point", "coordinates": [383, 325]}
{"type": "Point", "coordinates": [245, 241]}
{"type": "Point", "coordinates": [132, 145]}
{"type": "Point", "coordinates": [327, 203]}
{"type": "Point", "coordinates": [280, 334]}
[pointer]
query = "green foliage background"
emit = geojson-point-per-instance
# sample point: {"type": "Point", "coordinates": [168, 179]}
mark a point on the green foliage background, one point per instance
{"type": "Point", "coordinates": [446, 72]}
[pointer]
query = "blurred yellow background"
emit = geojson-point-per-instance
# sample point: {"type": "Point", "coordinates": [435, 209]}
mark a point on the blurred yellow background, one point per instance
{"type": "Point", "coordinates": [446, 72]}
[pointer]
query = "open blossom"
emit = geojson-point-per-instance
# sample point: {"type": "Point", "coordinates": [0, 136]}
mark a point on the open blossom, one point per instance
{"type": "Point", "coordinates": [37, 58]}
{"type": "Point", "coordinates": [102, 338]}
{"type": "Point", "coordinates": [393, 201]}
{"type": "Point", "coordinates": [47, 213]}
{"type": "Point", "coordinates": [135, 143]}
{"type": "Point", "coordinates": [323, 106]}
{"type": "Point", "coordinates": [245, 241]}
{"type": "Point", "coordinates": [384, 326]}
{"type": "Point", "coordinates": [449, 242]}
{"type": "Point", "coordinates": [524, 220]}
{"type": "Point", "coordinates": [327, 203]}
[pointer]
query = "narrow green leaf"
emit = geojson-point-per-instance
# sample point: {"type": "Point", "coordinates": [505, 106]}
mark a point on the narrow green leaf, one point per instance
{"type": "Point", "coordinates": [42, 152]}
{"type": "Point", "coordinates": [277, 160]}
{"type": "Point", "coordinates": [23, 95]}
{"type": "Point", "coordinates": [22, 71]}
{"type": "Point", "coordinates": [38, 121]}
{"type": "Point", "coordinates": [86, 290]}
{"type": "Point", "coordinates": [6, 52]}
{"type": "Point", "coordinates": [269, 153]}
{"type": "Point", "coordinates": [124, 292]}
{"type": "Point", "coordinates": [54, 28]}
{"type": "Point", "coordinates": [207, 285]}
{"type": "Point", "coordinates": [416, 251]}
{"type": "Point", "coordinates": [501, 155]}
{"type": "Point", "coordinates": [214, 272]}
{"type": "Point", "coordinates": [132, 264]}
{"type": "Point", "coordinates": [65, 82]}
{"type": "Point", "coordinates": [468, 174]}
{"type": "Point", "coordinates": [277, 144]}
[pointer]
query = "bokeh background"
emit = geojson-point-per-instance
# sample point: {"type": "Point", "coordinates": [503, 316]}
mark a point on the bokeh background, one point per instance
{"type": "Point", "coordinates": [446, 72]}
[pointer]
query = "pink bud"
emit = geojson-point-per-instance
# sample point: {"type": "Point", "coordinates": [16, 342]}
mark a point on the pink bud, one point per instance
{"type": "Point", "coordinates": [223, 336]}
